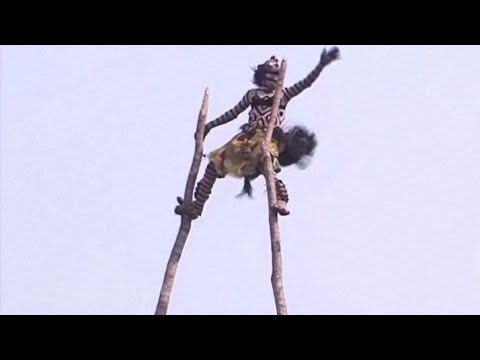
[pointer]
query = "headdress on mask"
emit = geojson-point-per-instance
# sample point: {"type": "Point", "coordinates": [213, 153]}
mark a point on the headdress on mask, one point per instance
{"type": "Point", "coordinates": [269, 70]}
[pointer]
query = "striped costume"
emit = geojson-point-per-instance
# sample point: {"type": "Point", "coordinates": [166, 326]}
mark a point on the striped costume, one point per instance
{"type": "Point", "coordinates": [240, 157]}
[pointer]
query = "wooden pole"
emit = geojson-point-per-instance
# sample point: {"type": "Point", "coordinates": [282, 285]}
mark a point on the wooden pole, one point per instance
{"type": "Point", "coordinates": [186, 220]}
{"type": "Point", "coordinates": [277, 267]}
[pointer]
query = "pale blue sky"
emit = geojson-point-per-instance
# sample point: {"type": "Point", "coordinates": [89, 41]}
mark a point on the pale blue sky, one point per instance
{"type": "Point", "coordinates": [96, 143]}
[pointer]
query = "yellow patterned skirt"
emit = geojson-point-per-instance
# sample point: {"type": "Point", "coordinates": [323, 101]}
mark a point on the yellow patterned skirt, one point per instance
{"type": "Point", "coordinates": [242, 155]}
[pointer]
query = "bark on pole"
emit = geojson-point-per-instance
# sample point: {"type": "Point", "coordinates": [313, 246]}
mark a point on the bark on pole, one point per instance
{"type": "Point", "coordinates": [277, 267]}
{"type": "Point", "coordinates": [186, 220]}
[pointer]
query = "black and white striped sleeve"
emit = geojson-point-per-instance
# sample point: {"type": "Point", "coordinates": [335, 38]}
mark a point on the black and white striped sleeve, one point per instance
{"type": "Point", "coordinates": [232, 113]}
{"type": "Point", "coordinates": [305, 83]}
{"type": "Point", "coordinates": [326, 58]}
